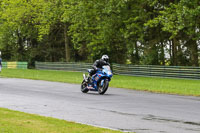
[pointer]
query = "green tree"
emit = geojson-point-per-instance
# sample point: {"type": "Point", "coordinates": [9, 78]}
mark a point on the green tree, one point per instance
{"type": "Point", "coordinates": [180, 19]}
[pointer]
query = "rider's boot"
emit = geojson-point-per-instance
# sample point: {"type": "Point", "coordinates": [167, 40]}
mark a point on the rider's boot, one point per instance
{"type": "Point", "coordinates": [89, 79]}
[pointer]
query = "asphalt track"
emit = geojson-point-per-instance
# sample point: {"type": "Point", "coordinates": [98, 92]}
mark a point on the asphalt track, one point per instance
{"type": "Point", "coordinates": [121, 109]}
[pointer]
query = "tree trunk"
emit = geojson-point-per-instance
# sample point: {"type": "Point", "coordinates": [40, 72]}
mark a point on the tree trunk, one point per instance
{"type": "Point", "coordinates": [20, 50]}
{"type": "Point", "coordinates": [174, 52]}
{"type": "Point", "coordinates": [193, 48]}
{"type": "Point", "coordinates": [136, 53]}
{"type": "Point", "coordinates": [180, 57]}
{"type": "Point", "coordinates": [162, 54]}
{"type": "Point", "coordinates": [67, 47]}
{"type": "Point", "coordinates": [170, 50]}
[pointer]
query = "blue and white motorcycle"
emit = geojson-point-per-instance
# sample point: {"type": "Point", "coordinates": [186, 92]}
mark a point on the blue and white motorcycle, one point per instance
{"type": "Point", "coordinates": [98, 82]}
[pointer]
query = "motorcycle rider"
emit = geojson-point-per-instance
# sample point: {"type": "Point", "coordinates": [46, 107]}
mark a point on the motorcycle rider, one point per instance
{"type": "Point", "coordinates": [98, 65]}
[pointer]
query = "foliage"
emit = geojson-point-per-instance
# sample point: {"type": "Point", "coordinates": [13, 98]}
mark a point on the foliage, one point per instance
{"type": "Point", "coordinates": [141, 31]}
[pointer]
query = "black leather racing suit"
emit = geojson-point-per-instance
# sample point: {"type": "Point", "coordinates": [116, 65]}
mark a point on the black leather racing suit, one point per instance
{"type": "Point", "coordinates": [98, 64]}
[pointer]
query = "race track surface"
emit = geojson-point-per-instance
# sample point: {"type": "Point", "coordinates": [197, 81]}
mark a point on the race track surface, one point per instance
{"type": "Point", "coordinates": [121, 109]}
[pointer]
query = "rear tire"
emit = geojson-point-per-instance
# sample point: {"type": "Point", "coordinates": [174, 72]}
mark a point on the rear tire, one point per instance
{"type": "Point", "coordinates": [84, 87]}
{"type": "Point", "coordinates": [103, 89]}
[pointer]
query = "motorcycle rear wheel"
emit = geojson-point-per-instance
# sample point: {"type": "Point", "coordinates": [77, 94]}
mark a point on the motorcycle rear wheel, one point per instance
{"type": "Point", "coordinates": [84, 87]}
{"type": "Point", "coordinates": [103, 89]}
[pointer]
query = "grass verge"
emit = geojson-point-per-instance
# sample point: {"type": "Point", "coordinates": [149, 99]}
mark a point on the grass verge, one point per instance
{"type": "Point", "coordinates": [18, 122]}
{"type": "Point", "coordinates": [158, 85]}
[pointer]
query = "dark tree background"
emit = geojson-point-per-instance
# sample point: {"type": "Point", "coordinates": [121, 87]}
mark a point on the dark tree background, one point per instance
{"type": "Point", "coordinates": [151, 32]}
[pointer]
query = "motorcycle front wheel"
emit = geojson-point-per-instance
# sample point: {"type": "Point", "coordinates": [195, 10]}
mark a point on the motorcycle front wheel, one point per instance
{"type": "Point", "coordinates": [103, 88]}
{"type": "Point", "coordinates": [84, 87]}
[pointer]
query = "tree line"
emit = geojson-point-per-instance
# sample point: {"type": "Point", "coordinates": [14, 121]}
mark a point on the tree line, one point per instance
{"type": "Point", "coordinates": [150, 32]}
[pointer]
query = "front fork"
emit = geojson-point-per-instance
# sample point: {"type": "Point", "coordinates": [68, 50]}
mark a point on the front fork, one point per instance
{"type": "Point", "coordinates": [85, 77]}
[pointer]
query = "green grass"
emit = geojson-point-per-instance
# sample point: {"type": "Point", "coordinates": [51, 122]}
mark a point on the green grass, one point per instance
{"type": "Point", "coordinates": [58, 76]}
{"type": "Point", "coordinates": [158, 85]}
{"type": "Point", "coordinates": [18, 122]}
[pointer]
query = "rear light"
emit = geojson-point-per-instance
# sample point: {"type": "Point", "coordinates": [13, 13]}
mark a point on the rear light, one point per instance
{"type": "Point", "coordinates": [99, 75]}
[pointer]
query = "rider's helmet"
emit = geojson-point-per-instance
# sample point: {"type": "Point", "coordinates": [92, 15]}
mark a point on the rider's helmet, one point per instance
{"type": "Point", "coordinates": [105, 58]}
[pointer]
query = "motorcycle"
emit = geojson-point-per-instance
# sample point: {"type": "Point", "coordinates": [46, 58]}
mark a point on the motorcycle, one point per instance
{"type": "Point", "coordinates": [98, 82]}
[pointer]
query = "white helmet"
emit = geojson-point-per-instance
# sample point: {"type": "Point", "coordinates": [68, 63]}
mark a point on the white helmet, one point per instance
{"type": "Point", "coordinates": [105, 58]}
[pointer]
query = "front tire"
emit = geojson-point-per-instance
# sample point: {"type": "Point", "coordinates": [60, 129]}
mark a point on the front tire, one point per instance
{"type": "Point", "coordinates": [103, 89]}
{"type": "Point", "coordinates": [84, 87]}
